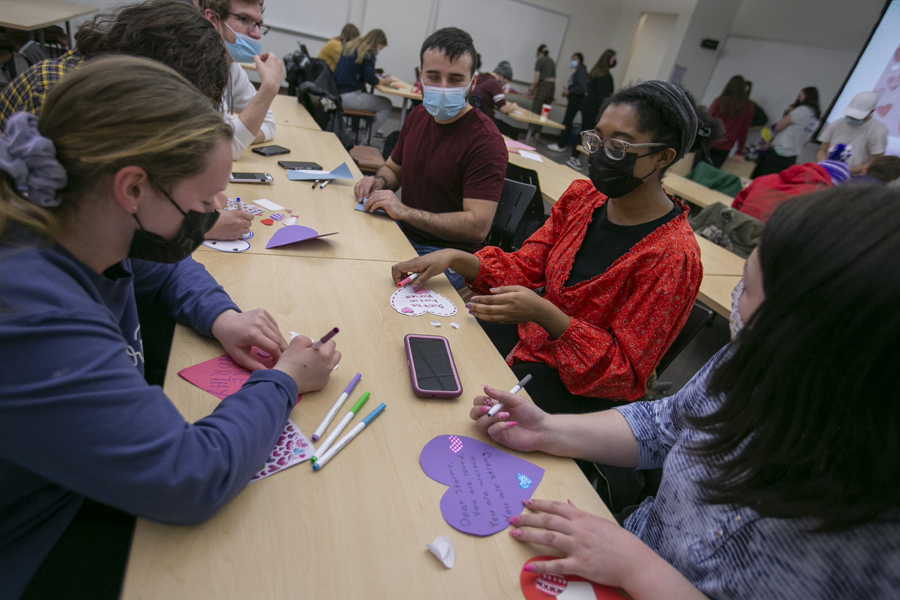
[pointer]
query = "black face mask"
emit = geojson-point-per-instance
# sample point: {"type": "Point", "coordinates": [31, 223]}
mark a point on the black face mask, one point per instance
{"type": "Point", "coordinates": [154, 247]}
{"type": "Point", "coordinates": [615, 178]}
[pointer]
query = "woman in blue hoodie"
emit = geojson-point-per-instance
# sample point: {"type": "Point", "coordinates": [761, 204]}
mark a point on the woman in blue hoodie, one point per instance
{"type": "Point", "coordinates": [102, 201]}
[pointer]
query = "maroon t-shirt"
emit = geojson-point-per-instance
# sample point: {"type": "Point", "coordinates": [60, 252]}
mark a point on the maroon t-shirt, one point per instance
{"type": "Point", "coordinates": [442, 164]}
{"type": "Point", "coordinates": [491, 93]}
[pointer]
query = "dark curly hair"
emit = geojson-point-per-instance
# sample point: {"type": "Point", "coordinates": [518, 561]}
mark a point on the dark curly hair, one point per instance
{"type": "Point", "coordinates": [167, 31]}
{"type": "Point", "coordinates": [657, 115]}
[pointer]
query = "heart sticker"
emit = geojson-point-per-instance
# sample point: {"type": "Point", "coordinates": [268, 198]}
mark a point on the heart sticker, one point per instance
{"type": "Point", "coordinates": [415, 301]}
{"type": "Point", "coordinates": [524, 482]}
{"type": "Point", "coordinates": [232, 246]}
{"type": "Point", "coordinates": [483, 483]}
{"type": "Point", "coordinates": [884, 109]}
{"type": "Point", "coordinates": [564, 587]}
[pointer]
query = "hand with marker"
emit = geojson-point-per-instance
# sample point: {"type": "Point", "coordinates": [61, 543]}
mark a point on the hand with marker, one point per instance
{"type": "Point", "coordinates": [521, 425]}
{"type": "Point", "coordinates": [434, 263]}
{"type": "Point", "coordinates": [310, 368]}
{"type": "Point", "coordinates": [231, 225]}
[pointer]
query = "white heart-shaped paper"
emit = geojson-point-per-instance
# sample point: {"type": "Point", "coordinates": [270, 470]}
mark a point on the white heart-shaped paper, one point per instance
{"type": "Point", "coordinates": [232, 246]}
{"type": "Point", "coordinates": [415, 301]}
{"type": "Point", "coordinates": [442, 548]}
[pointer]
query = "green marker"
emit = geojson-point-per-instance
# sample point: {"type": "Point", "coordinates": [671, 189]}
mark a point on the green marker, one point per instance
{"type": "Point", "coordinates": [340, 427]}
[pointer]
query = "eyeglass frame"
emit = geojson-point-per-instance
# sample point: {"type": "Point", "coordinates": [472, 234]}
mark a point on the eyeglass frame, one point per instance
{"type": "Point", "coordinates": [602, 142]}
{"type": "Point", "coordinates": [263, 29]}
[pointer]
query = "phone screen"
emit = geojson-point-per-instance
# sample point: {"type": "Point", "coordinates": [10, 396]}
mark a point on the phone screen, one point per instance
{"type": "Point", "coordinates": [431, 362]}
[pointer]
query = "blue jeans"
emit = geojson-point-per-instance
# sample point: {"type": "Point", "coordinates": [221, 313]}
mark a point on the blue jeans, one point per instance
{"type": "Point", "coordinates": [455, 278]}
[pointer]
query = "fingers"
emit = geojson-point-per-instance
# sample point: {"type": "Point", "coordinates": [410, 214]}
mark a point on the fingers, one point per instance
{"type": "Point", "coordinates": [560, 566]}
{"type": "Point", "coordinates": [552, 539]}
{"type": "Point", "coordinates": [245, 359]}
{"type": "Point", "coordinates": [563, 509]}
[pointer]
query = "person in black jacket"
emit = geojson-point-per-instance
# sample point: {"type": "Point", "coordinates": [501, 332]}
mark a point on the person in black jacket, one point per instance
{"type": "Point", "coordinates": [574, 91]}
{"type": "Point", "coordinates": [599, 88]}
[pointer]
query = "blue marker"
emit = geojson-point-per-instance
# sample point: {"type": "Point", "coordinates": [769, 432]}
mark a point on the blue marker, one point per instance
{"type": "Point", "coordinates": [346, 439]}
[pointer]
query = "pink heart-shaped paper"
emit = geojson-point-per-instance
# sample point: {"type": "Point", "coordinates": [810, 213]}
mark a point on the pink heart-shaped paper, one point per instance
{"type": "Point", "coordinates": [415, 301]}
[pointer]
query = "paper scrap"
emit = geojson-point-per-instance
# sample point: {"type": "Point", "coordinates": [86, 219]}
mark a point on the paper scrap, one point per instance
{"type": "Point", "coordinates": [221, 376]}
{"type": "Point", "coordinates": [530, 155]}
{"type": "Point", "coordinates": [443, 549]}
{"type": "Point", "coordinates": [290, 221]}
{"type": "Point", "coordinates": [268, 204]}
{"type": "Point", "coordinates": [231, 204]}
{"type": "Point", "coordinates": [563, 587]}
{"type": "Point", "coordinates": [378, 211]}
{"type": "Point", "coordinates": [291, 234]}
{"type": "Point", "coordinates": [454, 325]}
{"type": "Point", "coordinates": [342, 172]}
{"type": "Point", "coordinates": [292, 448]}
{"type": "Point", "coordinates": [267, 221]}
{"type": "Point", "coordinates": [416, 300]}
{"type": "Point", "coordinates": [277, 216]}
{"type": "Point", "coordinates": [514, 145]}
{"type": "Point", "coordinates": [483, 482]}
{"type": "Point", "coordinates": [436, 323]}
{"type": "Point", "coordinates": [228, 246]}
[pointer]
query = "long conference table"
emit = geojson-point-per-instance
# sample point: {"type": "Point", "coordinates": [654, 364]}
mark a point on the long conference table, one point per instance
{"type": "Point", "coordinates": [358, 527]}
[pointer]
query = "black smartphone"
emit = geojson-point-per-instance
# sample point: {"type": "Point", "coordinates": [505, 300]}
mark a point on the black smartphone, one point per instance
{"type": "Point", "coordinates": [431, 368]}
{"type": "Point", "coordinates": [300, 166]}
{"type": "Point", "coordinates": [271, 150]}
{"type": "Point", "coordinates": [251, 178]}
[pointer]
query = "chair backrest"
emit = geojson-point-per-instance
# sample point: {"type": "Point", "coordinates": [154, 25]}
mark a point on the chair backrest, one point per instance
{"type": "Point", "coordinates": [534, 215]}
{"type": "Point", "coordinates": [514, 203]}
{"type": "Point", "coordinates": [697, 320]}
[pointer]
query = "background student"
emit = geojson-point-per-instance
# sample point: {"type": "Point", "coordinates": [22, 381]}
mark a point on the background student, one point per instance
{"type": "Point", "coordinates": [799, 122]}
{"type": "Point", "coordinates": [167, 31]}
{"type": "Point", "coordinates": [735, 110]}
{"type": "Point", "coordinates": [574, 91]}
{"type": "Point", "coordinates": [240, 23]}
{"type": "Point", "coordinates": [599, 88]}
{"type": "Point", "coordinates": [489, 89]}
{"type": "Point", "coordinates": [617, 262]}
{"type": "Point", "coordinates": [777, 482]}
{"type": "Point", "coordinates": [331, 51]}
{"type": "Point", "coordinates": [543, 88]}
{"type": "Point", "coordinates": [355, 69]}
{"type": "Point", "coordinates": [114, 208]}
{"type": "Point", "coordinates": [865, 136]}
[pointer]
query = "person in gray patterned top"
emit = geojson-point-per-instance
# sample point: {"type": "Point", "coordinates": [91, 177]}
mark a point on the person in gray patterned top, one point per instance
{"type": "Point", "coordinates": [780, 458]}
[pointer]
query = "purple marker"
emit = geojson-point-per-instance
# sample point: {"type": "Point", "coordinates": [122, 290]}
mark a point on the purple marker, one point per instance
{"type": "Point", "coordinates": [325, 338]}
{"type": "Point", "coordinates": [337, 406]}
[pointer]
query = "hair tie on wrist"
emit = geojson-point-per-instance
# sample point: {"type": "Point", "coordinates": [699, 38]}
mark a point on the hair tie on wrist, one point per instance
{"type": "Point", "coordinates": [30, 159]}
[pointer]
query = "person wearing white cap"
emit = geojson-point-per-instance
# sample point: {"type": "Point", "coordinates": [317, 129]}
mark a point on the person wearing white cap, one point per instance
{"type": "Point", "coordinates": [865, 136]}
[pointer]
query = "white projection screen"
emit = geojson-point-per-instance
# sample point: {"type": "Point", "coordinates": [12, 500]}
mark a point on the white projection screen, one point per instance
{"type": "Point", "coordinates": [878, 70]}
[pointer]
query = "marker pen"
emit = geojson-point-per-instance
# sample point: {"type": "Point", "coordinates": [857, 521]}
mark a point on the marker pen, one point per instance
{"type": "Point", "coordinates": [499, 406]}
{"type": "Point", "coordinates": [337, 406]}
{"type": "Point", "coordinates": [346, 439]}
{"type": "Point", "coordinates": [340, 427]}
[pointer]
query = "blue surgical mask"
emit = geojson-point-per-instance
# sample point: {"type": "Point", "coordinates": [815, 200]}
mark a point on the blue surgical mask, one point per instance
{"type": "Point", "coordinates": [574, 64]}
{"type": "Point", "coordinates": [444, 103]}
{"type": "Point", "coordinates": [244, 47]}
{"type": "Point", "coordinates": [853, 122]}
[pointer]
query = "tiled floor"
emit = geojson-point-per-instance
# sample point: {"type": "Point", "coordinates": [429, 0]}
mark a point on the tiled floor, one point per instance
{"type": "Point", "coordinates": [710, 339]}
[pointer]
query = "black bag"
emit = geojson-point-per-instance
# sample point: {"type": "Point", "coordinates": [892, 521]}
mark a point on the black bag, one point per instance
{"type": "Point", "coordinates": [316, 90]}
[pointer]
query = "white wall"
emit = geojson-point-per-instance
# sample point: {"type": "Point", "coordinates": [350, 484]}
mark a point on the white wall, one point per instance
{"type": "Point", "coordinates": [647, 50]}
{"type": "Point", "coordinates": [712, 19]}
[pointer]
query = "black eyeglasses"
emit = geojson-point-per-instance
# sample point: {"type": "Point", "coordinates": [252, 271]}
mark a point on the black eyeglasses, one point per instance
{"type": "Point", "coordinates": [615, 149]}
{"type": "Point", "coordinates": [249, 24]}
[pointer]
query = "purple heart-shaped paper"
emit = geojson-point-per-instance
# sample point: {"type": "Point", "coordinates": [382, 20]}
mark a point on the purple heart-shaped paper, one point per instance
{"type": "Point", "coordinates": [484, 482]}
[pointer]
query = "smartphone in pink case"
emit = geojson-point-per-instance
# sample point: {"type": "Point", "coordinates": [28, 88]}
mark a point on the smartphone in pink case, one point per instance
{"type": "Point", "coordinates": [431, 368]}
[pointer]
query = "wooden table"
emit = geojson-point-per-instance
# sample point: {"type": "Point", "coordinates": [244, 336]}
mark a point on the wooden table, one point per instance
{"type": "Point", "coordinates": [402, 89]}
{"type": "Point", "coordinates": [361, 236]}
{"type": "Point", "coordinates": [693, 192]}
{"type": "Point", "coordinates": [288, 111]}
{"type": "Point", "coordinates": [34, 15]}
{"type": "Point", "coordinates": [717, 260]}
{"type": "Point", "coordinates": [715, 292]}
{"type": "Point", "coordinates": [534, 121]}
{"type": "Point", "coordinates": [357, 528]}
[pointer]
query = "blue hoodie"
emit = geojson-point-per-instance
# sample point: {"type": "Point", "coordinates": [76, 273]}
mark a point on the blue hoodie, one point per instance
{"type": "Point", "coordinates": [78, 420]}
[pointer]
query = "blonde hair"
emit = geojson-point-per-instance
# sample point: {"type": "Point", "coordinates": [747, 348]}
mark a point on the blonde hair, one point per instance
{"type": "Point", "coordinates": [116, 112]}
{"type": "Point", "coordinates": [365, 45]}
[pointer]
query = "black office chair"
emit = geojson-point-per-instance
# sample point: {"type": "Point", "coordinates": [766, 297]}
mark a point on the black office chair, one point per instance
{"type": "Point", "coordinates": [514, 203]}
{"type": "Point", "coordinates": [534, 215]}
{"type": "Point", "coordinates": [699, 318]}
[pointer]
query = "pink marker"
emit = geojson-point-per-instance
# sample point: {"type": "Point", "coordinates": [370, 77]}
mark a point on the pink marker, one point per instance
{"type": "Point", "coordinates": [408, 280]}
{"type": "Point", "coordinates": [325, 338]}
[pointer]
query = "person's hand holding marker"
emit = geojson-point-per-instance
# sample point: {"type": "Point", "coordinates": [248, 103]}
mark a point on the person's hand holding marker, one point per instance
{"type": "Point", "coordinates": [435, 263]}
{"type": "Point", "coordinates": [309, 366]}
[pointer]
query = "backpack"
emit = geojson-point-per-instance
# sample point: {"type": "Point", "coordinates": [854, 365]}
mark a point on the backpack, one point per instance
{"type": "Point", "coordinates": [315, 89]}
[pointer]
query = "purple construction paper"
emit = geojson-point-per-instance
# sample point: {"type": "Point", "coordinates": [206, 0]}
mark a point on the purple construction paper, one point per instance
{"type": "Point", "coordinates": [291, 234]}
{"type": "Point", "coordinates": [486, 485]}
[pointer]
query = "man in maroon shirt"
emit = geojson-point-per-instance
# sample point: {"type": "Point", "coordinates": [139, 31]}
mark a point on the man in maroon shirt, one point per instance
{"type": "Point", "coordinates": [450, 159]}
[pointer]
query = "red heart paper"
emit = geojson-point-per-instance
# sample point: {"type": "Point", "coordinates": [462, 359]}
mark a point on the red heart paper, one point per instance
{"type": "Point", "coordinates": [267, 221]}
{"type": "Point", "coordinates": [884, 109]}
{"type": "Point", "coordinates": [546, 587]}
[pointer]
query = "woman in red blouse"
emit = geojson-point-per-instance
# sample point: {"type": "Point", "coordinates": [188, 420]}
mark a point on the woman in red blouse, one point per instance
{"type": "Point", "coordinates": [616, 262]}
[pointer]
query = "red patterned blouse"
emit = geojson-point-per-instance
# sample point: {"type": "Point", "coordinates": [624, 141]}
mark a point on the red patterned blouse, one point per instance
{"type": "Point", "coordinates": [623, 320]}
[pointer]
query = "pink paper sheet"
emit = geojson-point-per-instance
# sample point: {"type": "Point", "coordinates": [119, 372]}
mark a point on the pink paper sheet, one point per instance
{"type": "Point", "coordinates": [514, 145]}
{"type": "Point", "coordinates": [221, 376]}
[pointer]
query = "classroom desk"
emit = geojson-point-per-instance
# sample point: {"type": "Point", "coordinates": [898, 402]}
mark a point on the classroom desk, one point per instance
{"type": "Point", "coordinates": [715, 292]}
{"type": "Point", "coordinates": [288, 111]}
{"type": "Point", "coordinates": [357, 528]}
{"type": "Point", "coordinates": [360, 235]}
{"type": "Point", "coordinates": [37, 14]}
{"type": "Point", "coordinates": [717, 260]}
{"type": "Point", "coordinates": [554, 178]}
{"type": "Point", "coordinates": [523, 115]}
{"type": "Point", "coordinates": [693, 192]}
{"type": "Point", "coordinates": [402, 89]}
